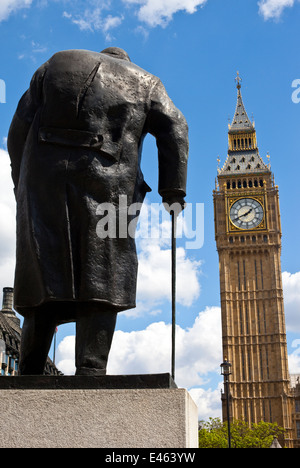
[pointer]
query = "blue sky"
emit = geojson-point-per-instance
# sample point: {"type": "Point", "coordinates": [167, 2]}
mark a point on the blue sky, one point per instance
{"type": "Point", "coordinates": [196, 48]}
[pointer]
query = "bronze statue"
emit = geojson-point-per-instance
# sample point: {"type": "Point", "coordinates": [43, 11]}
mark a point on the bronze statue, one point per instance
{"type": "Point", "coordinates": [75, 143]}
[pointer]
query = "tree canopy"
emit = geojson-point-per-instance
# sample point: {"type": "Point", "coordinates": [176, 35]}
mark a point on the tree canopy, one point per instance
{"type": "Point", "coordinates": [214, 434]}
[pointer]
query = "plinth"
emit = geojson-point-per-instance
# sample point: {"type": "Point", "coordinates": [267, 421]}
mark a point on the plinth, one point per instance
{"type": "Point", "coordinates": [137, 411]}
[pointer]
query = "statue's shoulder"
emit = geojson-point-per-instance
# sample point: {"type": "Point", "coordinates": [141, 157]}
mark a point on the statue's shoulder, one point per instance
{"type": "Point", "coordinates": [74, 54]}
{"type": "Point", "coordinates": [135, 72]}
{"type": "Point", "coordinates": [80, 59]}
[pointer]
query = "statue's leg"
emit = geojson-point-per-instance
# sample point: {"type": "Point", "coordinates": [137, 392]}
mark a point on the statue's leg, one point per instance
{"type": "Point", "coordinates": [37, 334]}
{"type": "Point", "coordinates": [94, 333]}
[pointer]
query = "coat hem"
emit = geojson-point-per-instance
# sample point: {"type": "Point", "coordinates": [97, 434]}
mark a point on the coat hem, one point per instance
{"type": "Point", "coordinates": [26, 308]}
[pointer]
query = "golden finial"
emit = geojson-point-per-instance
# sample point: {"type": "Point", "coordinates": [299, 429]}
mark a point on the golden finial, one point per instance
{"type": "Point", "coordinates": [238, 79]}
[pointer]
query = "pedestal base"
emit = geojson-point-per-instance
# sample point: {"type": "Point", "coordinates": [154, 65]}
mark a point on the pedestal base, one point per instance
{"type": "Point", "coordinates": [96, 417]}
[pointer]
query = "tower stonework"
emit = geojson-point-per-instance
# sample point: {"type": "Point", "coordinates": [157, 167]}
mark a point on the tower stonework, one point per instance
{"type": "Point", "coordinates": [248, 238]}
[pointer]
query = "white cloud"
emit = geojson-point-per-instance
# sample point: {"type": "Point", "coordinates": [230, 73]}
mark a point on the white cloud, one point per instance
{"type": "Point", "coordinates": [153, 238]}
{"type": "Point", "coordinates": [111, 22]}
{"type": "Point", "coordinates": [7, 222]}
{"type": "Point", "coordinates": [38, 48]}
{"type": "Point", "coordinates": [154, 277]}
{"type": "Point", "coordinates": [93, 19]}
{"type": "Point", "coordinates": [294, 358]}
{"type": "Point", "coordinates": [272, 9]}
{"type": "Point", "coordinates": [198, 353]}
{"type": "Point", "coordinates": [291, 290]}
{"type": "Point", "coordinates": [160, 12]}
{"type": "Point", "coordinates": [65, 355]}
{"type": "Point", "coordinates": [9, 6]}
{"type": "Point", "coordinates": [88, 20]}
{"type": "Point", "coordinates": [88, 15]}
{"type": "Point", "coordinates": [208, 402]}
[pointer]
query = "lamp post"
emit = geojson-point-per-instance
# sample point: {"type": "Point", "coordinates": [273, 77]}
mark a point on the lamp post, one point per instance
{"type": "Point", "coordinates": [226, 371]}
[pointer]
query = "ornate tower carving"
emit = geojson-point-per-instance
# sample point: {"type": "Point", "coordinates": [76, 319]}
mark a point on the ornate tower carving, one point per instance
{"type": "Point", "coordinates": [248, 237]}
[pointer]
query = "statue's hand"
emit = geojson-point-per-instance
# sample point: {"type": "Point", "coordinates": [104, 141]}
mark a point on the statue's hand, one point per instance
{"type": "Point", "coordinates": [174, 203]}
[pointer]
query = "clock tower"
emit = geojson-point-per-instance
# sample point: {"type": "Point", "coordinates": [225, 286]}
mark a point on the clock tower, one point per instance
{"type": "Point", "coordinates": [248, 238]}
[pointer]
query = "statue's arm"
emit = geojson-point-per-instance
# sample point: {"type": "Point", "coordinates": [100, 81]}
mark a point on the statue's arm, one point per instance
{"type": "Point", "coordinates": [168, 125]}
{"type": "Point", "coordinates": [22, 120]}
{"type": "Point", "coordinates": [15, 144]}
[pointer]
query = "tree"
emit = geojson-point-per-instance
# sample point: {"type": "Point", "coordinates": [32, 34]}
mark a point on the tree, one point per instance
{"type": "Point", "coordinates": [213, 434]}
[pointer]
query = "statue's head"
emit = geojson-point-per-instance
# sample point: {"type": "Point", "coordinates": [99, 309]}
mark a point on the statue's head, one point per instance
{"type": "Point", "coordinates": [117, 53]}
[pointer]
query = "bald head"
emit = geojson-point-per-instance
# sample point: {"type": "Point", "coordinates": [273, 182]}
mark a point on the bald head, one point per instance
{"type": "Point", "coordinates": [116, 52]}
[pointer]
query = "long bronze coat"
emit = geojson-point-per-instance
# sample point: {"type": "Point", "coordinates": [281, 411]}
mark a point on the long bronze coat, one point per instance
{"type": "Point", "coordinates": [75, 143]}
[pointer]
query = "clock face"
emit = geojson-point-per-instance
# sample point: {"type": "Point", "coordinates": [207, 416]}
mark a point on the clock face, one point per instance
{"type": "Point", "coordinates": [246, 213]}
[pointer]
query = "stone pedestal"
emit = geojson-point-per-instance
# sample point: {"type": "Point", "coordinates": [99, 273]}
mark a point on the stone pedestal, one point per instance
{"type": "Point", "coordinates": [61, 413]}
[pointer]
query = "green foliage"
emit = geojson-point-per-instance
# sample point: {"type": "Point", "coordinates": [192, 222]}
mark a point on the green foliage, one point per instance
{"type": "Point", "coordinates": [214, 434]}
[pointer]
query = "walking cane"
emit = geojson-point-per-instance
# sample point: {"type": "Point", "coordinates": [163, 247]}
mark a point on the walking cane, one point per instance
{"type": "Point", "coordinates": [173, 215]}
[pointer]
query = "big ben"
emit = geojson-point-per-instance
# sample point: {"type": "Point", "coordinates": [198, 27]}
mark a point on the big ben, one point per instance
{"type": "Point", "coordinates": [248, 238]}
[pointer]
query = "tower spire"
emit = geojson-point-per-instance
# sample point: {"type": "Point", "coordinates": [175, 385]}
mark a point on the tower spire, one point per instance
{"type": "Point", "coordinates": [238, 80]}
{"type": "Point", "coordinates": [243, 155]}
{"type": "Point", "coordinates": [241, 121]}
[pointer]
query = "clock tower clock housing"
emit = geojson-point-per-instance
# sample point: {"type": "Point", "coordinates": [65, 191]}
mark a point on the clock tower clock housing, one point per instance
{"type": "Point", "coordinates": [248, 238]}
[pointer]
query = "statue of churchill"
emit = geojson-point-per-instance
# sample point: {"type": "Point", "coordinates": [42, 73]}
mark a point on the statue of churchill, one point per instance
{"type": "Point", "coordinates": [75, 142]}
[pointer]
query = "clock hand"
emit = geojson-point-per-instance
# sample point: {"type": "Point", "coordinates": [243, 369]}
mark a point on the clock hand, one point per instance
{"type": "Point", "coordinates": [245, 214]}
